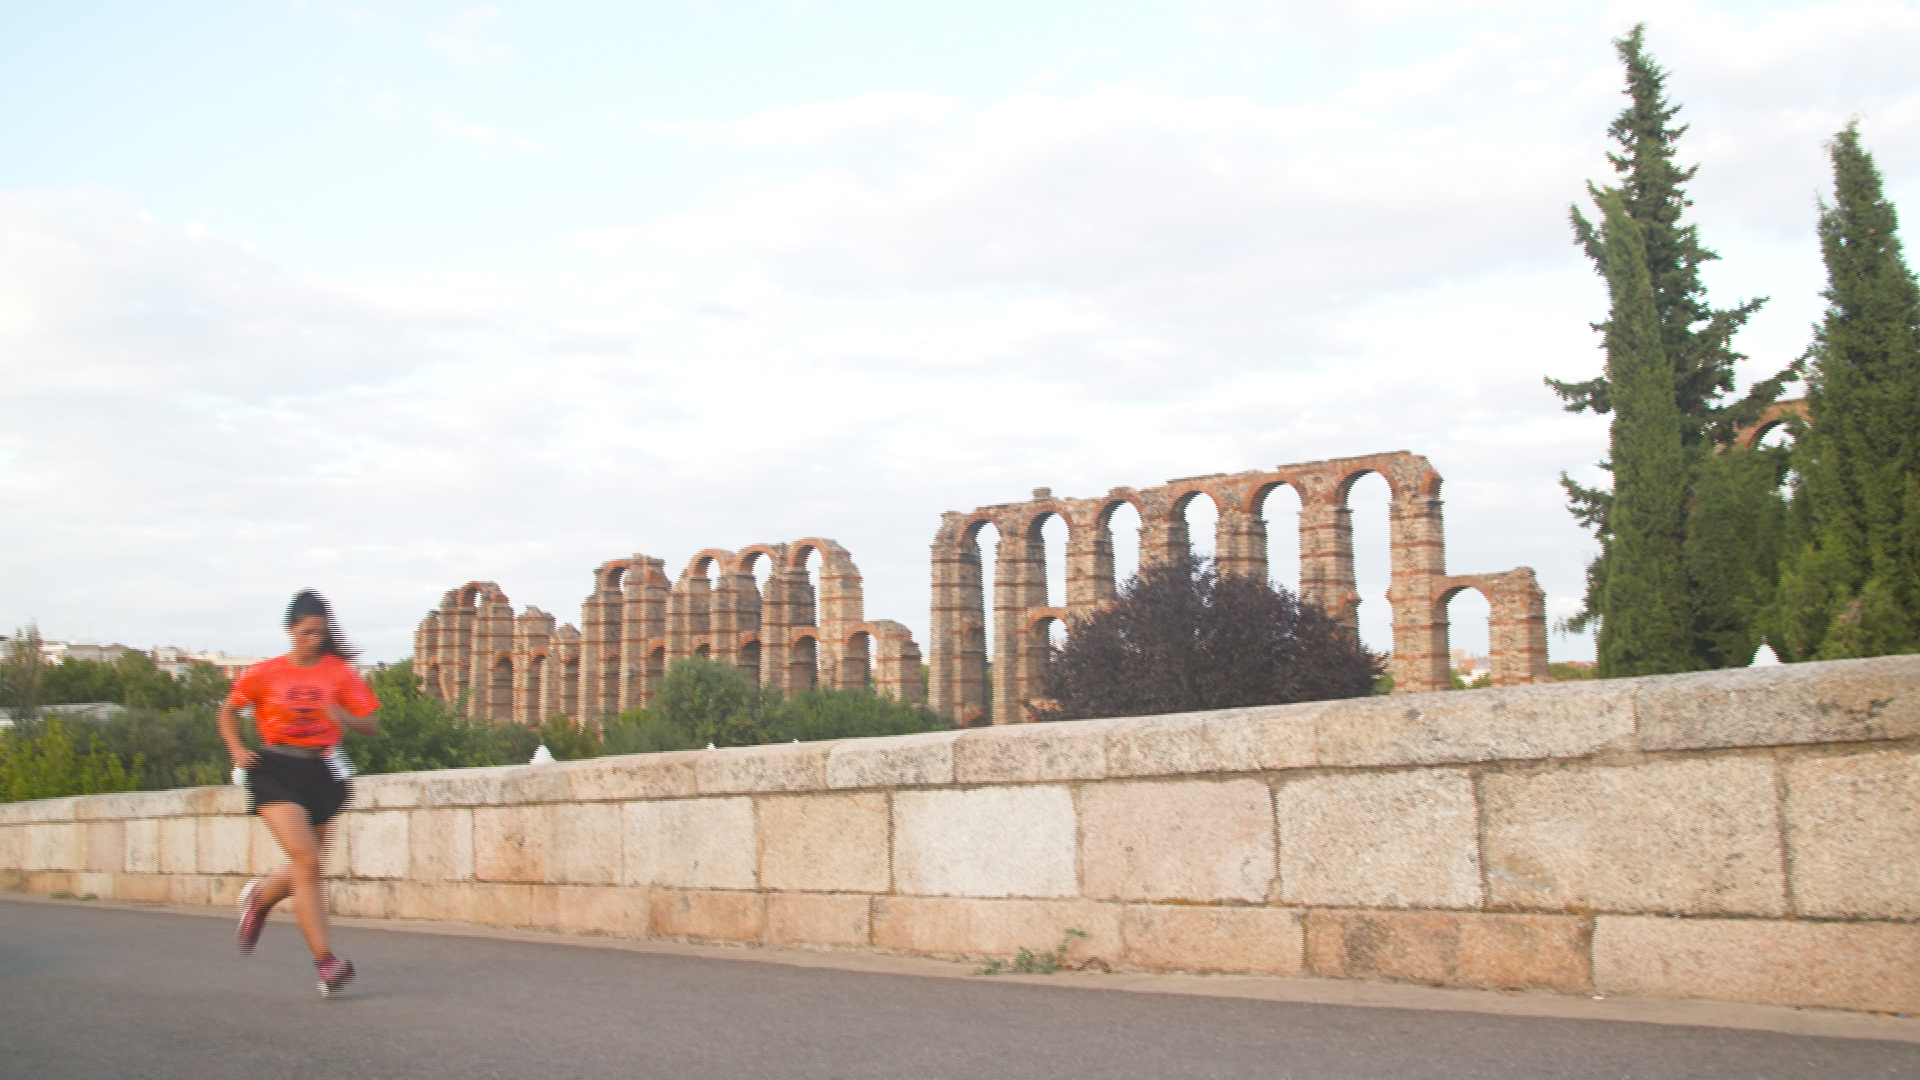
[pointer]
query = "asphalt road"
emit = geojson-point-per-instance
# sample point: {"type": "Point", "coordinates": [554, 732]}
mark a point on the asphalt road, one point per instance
{"type": "Point", "coordinates": [103, 992]}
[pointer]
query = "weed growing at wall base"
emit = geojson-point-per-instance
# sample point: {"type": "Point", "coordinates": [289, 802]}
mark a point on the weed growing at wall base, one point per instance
{"type": "Point", "coordinates": [1028, 962]}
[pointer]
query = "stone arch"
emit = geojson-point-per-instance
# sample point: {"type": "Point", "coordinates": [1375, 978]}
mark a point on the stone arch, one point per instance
{"type": "Point", "coordinates": [1416, 555]}
{"type": "Point", "coordinates": [803, 663]}
{"type": "Point", "coordinates": [1257, 559]}
{"type": "Point", "coordinates": [528, 701]}
{"type": "Point", "coordinates": [1516, 623]}
{"type": "Point", "coordinates": [635, 622]}
{"type": "Point", "coordinates": [499, 691]}
{"type": "Point", "coordinates": [855, 669]}
{"type": "Point", "coordinates": [1777, 414]}
{"type": "Point", "coordinates": [894, 661]}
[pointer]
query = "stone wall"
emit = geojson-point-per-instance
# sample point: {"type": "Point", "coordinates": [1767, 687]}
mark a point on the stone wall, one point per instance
{"type": "Point", "coordinates": [1745, 835]}
{"type": "Point", "coordinates": [1023, 612]}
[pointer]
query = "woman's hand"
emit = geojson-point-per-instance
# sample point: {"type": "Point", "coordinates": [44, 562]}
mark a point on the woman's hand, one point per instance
{"type": "Point", "coordinates": [228, 720]}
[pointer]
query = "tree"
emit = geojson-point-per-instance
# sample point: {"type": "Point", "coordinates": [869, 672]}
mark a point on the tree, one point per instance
{"type": "Point", "coordinates": [47, 764]}
{"type": "Point", "coordinates": [847, 714]}
{"type": "Point", "coordinates": [1695, 339]}
{"type": "Point", "coordinates": [1735, 531]}
{"type": "Point", "coordinates": [1850, 585]}
{"type": "Point", "coordinates": [1646, 624]}
{"type": "Point", "coordinates": [703, 702]}
{"type": "Point", "coordinates": [714, 703]}
{"type": "Point", "coordinates": [1182, 638]}
{"type": "Point", "coordinates": [23, 674]}
{"type": "Point", "coordinates": [420, 732]}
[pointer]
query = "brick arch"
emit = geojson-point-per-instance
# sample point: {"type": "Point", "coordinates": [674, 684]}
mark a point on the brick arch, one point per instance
{"type": "Point", "coordinates": [1777, 414]}
{"type": "Point", "coordinates": [636, 622]}
{"type": "Point", "coordinates": [1418, 558]}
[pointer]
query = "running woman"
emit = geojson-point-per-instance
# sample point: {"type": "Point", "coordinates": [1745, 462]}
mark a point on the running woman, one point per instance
{"type": "Point", "coordinates": [300, 781]}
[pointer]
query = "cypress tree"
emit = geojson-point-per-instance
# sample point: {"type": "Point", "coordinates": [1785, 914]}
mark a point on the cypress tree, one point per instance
{"type": "Point", "coordinates": [1851, 581]}
{"type": "Point", "coordinates": [1736, 526]}
{"type": "Point", "coordinates": [1696, 341]}
{"type": "Point", "coordinates": [1647, 626]}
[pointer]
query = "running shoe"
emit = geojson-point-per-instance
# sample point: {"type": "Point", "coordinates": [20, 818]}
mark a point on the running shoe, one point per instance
{"type": "Point", "coordinates": [334, 974]}
{"type": "Point", "coordinates": [252, 918]}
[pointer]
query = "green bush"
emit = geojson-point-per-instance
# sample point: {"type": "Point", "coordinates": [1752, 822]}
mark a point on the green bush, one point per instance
{"type": "Point", "coordinates": [641, 731]}
{"type": "Point", "coordinates": [175, 747]}
{"type": "Point", "coordinates": [420, 732]}
{"type": "Point", "coordinates": [568, 739]}
{"type": "Point", "coordinates": [42, 761]}
{"type": "Point", "coordinates": [702, 702]}
{"type": "Point", "coordinates": [846, 714]}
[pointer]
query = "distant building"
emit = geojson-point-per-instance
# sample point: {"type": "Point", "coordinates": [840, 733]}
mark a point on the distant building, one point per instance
{"type": "Point", "coordinates": [1468, 666]}
{"type": "Point", "coordinates": [175, 661]}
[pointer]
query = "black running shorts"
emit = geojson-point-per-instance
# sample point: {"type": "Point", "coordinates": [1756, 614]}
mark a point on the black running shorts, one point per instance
{"type": "Point", "coordinates": [305, 782]}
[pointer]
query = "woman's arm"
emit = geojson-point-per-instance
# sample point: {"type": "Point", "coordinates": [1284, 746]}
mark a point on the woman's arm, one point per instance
{"type": "Point", "coordinates": [359, 725]}
{"type": "Point", "coordinates": [228, 719]}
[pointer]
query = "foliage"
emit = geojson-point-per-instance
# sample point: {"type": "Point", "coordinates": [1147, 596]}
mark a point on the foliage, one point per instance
{"type": "Point", "coordinates": [23, 673]}
{"type": "Point", "coordinates": [1028, 962]}
{"type": "Point", "coordinates": [1182, 638]}
{"type": "Point", "coordinates": [421, 732]}
{"type": "Point", "coordinates": [134, 680]}
{"type": "Point", "coordinates": [568, 739]}
{"type": "Point", "coordinates": [1459, 682]}
{"type": "Point", "coordinates": [1734, 531]}
{"type": "Point", "coordinates": [1646, 627]}
{"type": "Point", "coordinates": [175, 748]}
{"type": "Point", "coordinates": [817, 715]}
{"type": "Point", "coordinates": [1694, 341]}
{"type": "Point", "coordinates": [703, 702]}
{"type": "Point", "coordinates": [714, 703]}
{"type": "Point", "coordinates": [31, 684]}
{"type": "Point", "coordinates": [640, 731]}
{"type": "Point", "coordinates": [1572, 672]}
{"type": "Point", "coordinates": [43, 761]}
{"type": "Point", "coordinates": [1850, 585]}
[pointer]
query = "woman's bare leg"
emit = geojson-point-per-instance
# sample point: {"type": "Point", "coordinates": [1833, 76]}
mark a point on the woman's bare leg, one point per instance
{"type": "Point", "coordinates": [288, 823]}
{"type": "Point", "coordinates": [278, 885]}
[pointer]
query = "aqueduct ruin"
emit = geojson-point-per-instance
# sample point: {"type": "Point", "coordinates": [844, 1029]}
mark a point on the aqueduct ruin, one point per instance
{"type": "Point", "coordinates": [634, 623]}
{"type": "Point", "coordinates": [1023, 613]}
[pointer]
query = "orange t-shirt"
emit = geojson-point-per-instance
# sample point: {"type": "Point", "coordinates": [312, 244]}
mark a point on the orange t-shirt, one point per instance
{"type": "Point", "coordinates": [290, 702]}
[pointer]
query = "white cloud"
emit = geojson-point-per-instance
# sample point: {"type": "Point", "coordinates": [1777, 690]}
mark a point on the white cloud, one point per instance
{"type": "Point", "coordinates": [469, 40]}
{"type": "Point", "coordinates": [906, 305]}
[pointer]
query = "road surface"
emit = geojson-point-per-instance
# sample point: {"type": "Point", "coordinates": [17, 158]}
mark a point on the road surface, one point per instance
{"type": "Point", "coordinates": [88, 991]}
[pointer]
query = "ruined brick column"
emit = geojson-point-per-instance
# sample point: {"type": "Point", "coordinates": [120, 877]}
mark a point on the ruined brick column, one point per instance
{"type": "Point", "coordinates": [1019, 586]}
{"type": "Point", "coordinates": [1419, 556]}
{"type": "Point", "coordinates": [643, 624]}
{"type": "Point", "coordinates": [689, 608]}
{"type": "Point", "coordinates": [1163, 530]}
{"type": "Point", "coordinates": [459, 667]}
{"type": "Point", "coordinates": [842, 608]}
{"type": "Point", "coordinates": [1517, 629]}
{"type": "Point", "coordinates": [803, 660]}
{"type": "Point", "coordinates": [1326, 558]}
{"type": "Point", "coordinates": [492, 638]}
{"type": "Point", "coordinates": [957, 664]}
{"type": "Point", "coordinates": [531, 632]}
{"type": "Point", "coordinates": [896, 662]}
{"type": "Point", "coordinates": [785, 607]}
{"type": "Point", "coordinates": [566, 669]}
{"type": "Point", "coordinates": [1090, 584]}
{"type": "Point", "coordinates": [426, 653]}
{"type": "Point", "coordinates": [1240, 543]}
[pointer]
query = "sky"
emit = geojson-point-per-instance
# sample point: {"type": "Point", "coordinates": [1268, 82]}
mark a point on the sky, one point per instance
{"type": "Point", "coordinates": [383, 298]}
